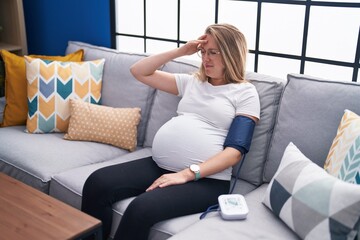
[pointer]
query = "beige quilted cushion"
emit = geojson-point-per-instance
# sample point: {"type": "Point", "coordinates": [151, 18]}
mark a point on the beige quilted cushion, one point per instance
{"type": "Point", "coordinates": [115, 126]}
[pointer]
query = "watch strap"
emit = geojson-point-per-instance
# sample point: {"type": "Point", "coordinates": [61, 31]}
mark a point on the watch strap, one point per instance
{"type": "Point", "coordinates": [197, 175]}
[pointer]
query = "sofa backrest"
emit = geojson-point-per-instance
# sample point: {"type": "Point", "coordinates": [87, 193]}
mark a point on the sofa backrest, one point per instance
{"type": "Point", "coordinates": [269, 89]}
{"type": "Point", "coordinates": [309, 115]}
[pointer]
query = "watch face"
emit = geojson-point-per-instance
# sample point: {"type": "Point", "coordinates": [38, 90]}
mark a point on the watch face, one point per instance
{"type": "Point", "coordinates": [194, 167]}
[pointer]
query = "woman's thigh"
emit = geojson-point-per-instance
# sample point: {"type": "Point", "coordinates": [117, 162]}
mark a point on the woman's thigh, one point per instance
{"type": "Point", "coordinates": [123, 180]}
{"type": "Point", "coordinates": [179, 200]}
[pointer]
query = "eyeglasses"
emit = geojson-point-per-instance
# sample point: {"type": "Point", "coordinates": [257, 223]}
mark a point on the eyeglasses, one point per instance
{"type": "Point", "coordinates": [211, 53]}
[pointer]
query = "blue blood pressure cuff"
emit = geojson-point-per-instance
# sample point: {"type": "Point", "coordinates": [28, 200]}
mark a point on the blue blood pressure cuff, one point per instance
{"type": "Point", "coordinates": [240, 134]}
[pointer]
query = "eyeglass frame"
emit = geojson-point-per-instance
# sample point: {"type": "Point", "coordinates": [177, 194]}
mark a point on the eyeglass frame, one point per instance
{"type": "Point", "coordinates": [211, 53]}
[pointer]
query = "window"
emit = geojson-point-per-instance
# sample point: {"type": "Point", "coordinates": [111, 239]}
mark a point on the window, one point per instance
{"type": "Point", "coordinates": [319, 38]}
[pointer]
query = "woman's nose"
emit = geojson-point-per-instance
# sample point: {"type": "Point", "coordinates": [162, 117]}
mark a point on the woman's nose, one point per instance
{"type": "Point", "coordinates": [206, 57]}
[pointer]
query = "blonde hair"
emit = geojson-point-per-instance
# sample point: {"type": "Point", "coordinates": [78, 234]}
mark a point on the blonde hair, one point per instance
{"type": "Point", "coordinates": [233, 49]}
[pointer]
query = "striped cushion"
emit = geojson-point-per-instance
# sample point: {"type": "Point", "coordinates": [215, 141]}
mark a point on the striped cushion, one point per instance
{"type": "Point", "coordinates": [51, 84]}
{"type": "Point", "coordinates": [343, 160]}
{"type": "Point", "coordinates": [16, 108]}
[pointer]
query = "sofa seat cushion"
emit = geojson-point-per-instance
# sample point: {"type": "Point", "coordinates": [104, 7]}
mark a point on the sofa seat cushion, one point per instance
{"type": "Point", "coordinates": [34, 158]}
{"type": "Point", "coordinates": [260, 223]}
{"type": "Point", "coordinates": [67, 186]}
{"type": "Point", "coordinates": [309, 116]}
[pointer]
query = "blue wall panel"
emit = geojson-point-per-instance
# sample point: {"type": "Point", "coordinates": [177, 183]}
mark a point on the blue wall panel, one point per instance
{"type": "Point", "coordinates": [50, 24]}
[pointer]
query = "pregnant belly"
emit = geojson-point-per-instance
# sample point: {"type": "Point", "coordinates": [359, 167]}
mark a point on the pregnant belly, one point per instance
{"type": "Point", "coordinates": [185, 140]}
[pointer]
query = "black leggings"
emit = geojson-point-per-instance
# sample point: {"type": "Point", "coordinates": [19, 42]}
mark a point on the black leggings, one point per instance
{"type": "Point", "coordinates": [114, 183]}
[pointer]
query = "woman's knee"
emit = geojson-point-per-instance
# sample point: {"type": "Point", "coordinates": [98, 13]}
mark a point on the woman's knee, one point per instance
{"type": "Point", "coordinates": [140, 210]}
{"type": "Point", "coordinates": [94, 184]}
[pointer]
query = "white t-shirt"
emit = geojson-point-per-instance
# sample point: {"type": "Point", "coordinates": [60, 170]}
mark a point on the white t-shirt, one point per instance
{"type": "Point", "coordinates": [205, 114]}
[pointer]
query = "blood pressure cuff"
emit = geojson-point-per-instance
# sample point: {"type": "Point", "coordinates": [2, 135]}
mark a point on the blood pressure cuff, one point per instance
{"type": "Point", "coordinates": [240, 134]}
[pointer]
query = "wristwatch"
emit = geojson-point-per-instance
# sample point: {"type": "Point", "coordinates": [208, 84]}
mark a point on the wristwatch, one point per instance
{"type": "Point", "coordinates": [196, 170]}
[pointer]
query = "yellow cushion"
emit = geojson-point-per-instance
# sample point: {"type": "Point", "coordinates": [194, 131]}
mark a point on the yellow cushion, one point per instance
{"type": "Point", "coordinates": [114, 126]}
{"type": "Point", "coordinates": [2, 77]}
{"type": "Point", "coordinates": [51, 85]}
{"type": "Point", "coordinates": [16, 108]}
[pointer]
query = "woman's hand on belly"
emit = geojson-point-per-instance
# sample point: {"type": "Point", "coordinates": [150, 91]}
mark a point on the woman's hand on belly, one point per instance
{"type": "Point", "coordinates": [169, 179]}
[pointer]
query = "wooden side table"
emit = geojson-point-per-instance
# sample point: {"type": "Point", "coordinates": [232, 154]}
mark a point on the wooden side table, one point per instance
{"type": "Point", "coordinates": [26, 213]}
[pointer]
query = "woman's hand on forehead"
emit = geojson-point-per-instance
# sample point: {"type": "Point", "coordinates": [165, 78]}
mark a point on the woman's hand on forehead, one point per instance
{"type": "Point", "coordinates": [202, 37]}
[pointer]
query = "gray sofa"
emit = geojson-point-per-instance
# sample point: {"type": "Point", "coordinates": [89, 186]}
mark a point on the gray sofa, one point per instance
{"type": "Point", "coordinates": [301, 109]}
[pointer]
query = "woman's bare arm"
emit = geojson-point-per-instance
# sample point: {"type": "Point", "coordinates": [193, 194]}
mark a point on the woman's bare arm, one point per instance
{"type": "Point", "coordinates": [219, 162]}
{"type": "Point", "coordinates": [146, 70]}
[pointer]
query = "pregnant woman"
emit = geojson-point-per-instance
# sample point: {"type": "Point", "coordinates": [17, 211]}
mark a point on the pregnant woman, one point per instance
{"type": "Point", "coordinates": [194, 152]}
